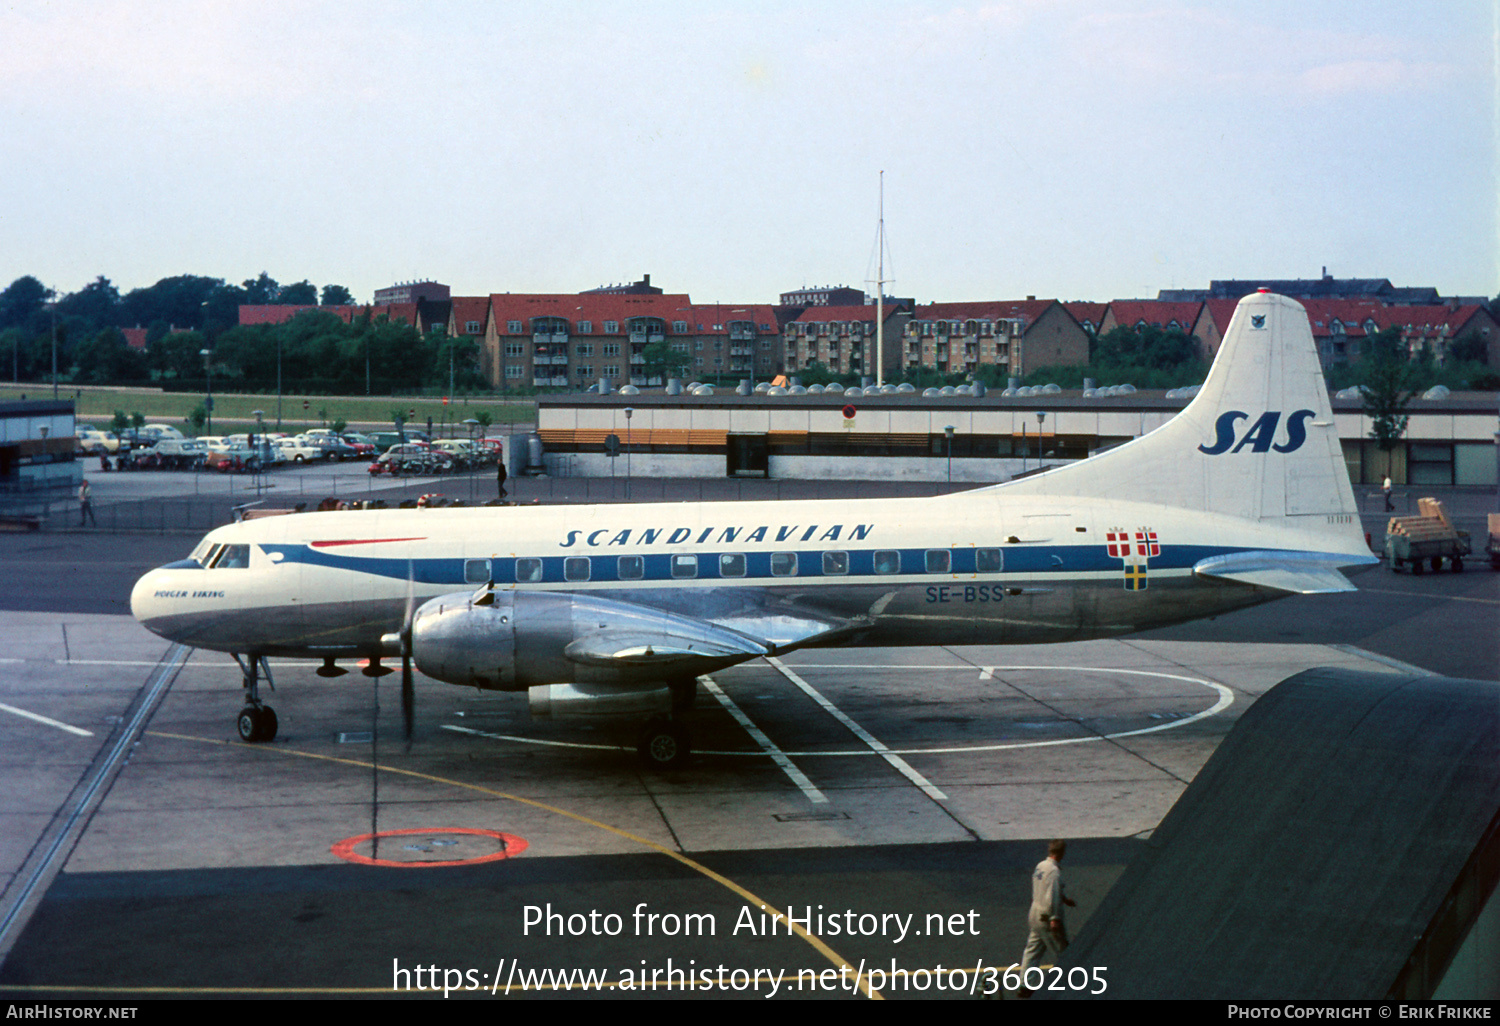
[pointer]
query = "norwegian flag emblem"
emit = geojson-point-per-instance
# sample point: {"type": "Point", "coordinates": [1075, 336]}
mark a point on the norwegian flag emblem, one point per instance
{"type": "Point", "coordinates": [1145, 543]}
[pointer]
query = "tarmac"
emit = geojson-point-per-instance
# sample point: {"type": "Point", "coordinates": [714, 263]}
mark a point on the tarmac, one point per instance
{"type": "Point", "coordinates": [145, 853]}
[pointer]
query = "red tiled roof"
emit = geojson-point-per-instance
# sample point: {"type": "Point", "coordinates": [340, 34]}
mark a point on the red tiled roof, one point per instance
{"type": "Point", "coordinates": [135, 338]}
{"type": "Point", "coordinates": [818, 314]}
{"type": "Point", "coordinates": [1432, 321]}
{"type": "Point", "coordinates": [600, 307]}
{"type": "Point", "coordinates": [469, 308]}
{"type": "Point", "coordinates": [1091, 312]}
{"type": "Point", "coordinates": [1130, 312]}
{"type": "Point", "coordinates": [280, 314]}
{"type": "Point", "coordinates": [1027, 310]}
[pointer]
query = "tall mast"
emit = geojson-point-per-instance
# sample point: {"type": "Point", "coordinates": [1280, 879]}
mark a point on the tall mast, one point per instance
{"type": "Point", "coordinates": [880, 283]}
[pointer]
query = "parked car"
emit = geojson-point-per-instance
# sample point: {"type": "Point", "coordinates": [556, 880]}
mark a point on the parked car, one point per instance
{"type": "Point", "coordinates": [362, 444]}
{"type": "Point", "coordinates": [234, 460]}
{"type": "Point", "coordinates": [298, 450]}
{"type": "Point", "coordinates": [169, 454]}
{"type": "Point", "coordinates": [412, 458]}
{"type": "Point", "coordinates": [96, 442]}
{"type": "Point", "coordinates": [334, 447]}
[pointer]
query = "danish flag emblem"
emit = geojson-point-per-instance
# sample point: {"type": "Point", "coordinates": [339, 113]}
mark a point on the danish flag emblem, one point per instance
{"type": "Point", "coordinates": [1134, 548]}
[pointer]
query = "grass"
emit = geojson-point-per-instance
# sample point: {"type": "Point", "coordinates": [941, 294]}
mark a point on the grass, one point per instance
{"type": "Point", "coordinates": [97, 405]}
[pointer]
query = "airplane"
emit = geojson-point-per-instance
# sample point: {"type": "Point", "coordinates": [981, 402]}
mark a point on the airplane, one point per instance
{"type": "Point", "coordinates": [1241, 498]}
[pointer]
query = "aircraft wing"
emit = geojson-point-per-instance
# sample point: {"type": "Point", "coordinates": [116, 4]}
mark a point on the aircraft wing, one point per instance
{"type": "Point", "coordinates": [1300, 573]}
{"type": "Point", "coordinates": [466, 638]}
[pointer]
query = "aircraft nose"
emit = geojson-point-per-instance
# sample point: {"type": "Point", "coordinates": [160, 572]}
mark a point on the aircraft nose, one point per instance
{"type": "Point", "coordinates": [149, 597]}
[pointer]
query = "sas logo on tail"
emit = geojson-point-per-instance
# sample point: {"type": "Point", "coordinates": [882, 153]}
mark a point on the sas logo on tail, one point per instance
{"type": "Point", "coordinates": [1260, 436]}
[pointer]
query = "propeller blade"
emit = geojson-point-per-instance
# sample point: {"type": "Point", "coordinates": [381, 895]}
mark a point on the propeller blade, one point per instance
{"type": "Point", "coordinates": [408, 694]}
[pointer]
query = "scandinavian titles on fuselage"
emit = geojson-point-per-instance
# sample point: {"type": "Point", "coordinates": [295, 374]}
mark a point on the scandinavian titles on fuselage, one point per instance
{"type": "Point", "coordinates": [606, 536]}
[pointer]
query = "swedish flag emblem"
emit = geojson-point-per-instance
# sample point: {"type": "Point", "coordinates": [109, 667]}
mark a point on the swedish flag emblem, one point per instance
{"type": "Point", "coordinates": [1135, 577]}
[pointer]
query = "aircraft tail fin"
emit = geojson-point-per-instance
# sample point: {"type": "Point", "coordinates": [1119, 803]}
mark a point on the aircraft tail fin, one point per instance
{"type": "Point", "coordinates": [1258, 441]}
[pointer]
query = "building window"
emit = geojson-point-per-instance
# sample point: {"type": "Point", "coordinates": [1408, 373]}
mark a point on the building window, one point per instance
{"type": "Point", "coordinates": [513, 327]}
{"type": "Point", "coordinates": [611, 349]}
{"type": "Point", "coordinates": [515, 349]}
{"type": "Point", "coordinates": [513, 372]}
{"type": "Point", "coordinates": [586, 349]}
{"type": "Point", "coordinates": [585, 327]}
{"type": "Point", "coordinates": [611, 327]}
{"type": "Point", "coordinates": [679, 327]}
{"type": "Point", "coordinates": [472, 327]}
{"type": "Point", "coordinates": [585, 371]}
{"type": "Point", "coordinates": [611, 370]}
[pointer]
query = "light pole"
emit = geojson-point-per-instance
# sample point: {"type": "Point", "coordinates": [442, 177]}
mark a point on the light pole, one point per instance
{"type": "Point", "coordinates": [1040, 417]}
{"type": "Point", "coordinates": [208, 384]}
{"type": "Point", "coordinates": [53, 307]}
{"type": "Point", "coordinates": [471, 424]}
{"type": "Point", "coordinates": [629, 412]}
{"type": "Point", "coordinates": [261, 449]}
{"type": "Point", "coordinates": [948, 431]}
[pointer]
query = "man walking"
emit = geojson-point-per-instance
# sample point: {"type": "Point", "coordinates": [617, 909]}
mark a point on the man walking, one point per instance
{"type": "Point", "coordinates": [1047, 931]}
{"type": "Point", "coordinates": [86, 505]}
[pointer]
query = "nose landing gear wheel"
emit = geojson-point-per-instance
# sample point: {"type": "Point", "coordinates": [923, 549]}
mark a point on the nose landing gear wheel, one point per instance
{"type": "Point", "coordinates": [256, 724]}
{"type": "Point", "coordinates": [664, 744]}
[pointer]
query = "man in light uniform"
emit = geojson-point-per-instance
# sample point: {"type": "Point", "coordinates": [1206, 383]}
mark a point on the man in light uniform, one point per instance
{"type": "Point", "coordinates": [1047, 900]}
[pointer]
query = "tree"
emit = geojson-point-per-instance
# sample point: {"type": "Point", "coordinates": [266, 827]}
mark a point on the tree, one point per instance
{"type": "Point", "coordinates": [197, 417]}
{"type": "Point", "coordinates": [337, 295]}
{"type": "Point", "coordinates": [97, 304]}
{"type": "Point", "coordinates": [302, 293]}
{"type": "Point", "coordinates": [261, 291]}
{"type": "Point", "coordinates": [1389, 387]}
{"type": "Point", "coordinates": [663, 361]}
{"type": "Point", "coordinates": [22, 300]}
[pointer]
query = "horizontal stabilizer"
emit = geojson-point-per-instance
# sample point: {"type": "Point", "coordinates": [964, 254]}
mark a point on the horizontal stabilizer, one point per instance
{"type": "Point", "coordinates": [1300, 573]}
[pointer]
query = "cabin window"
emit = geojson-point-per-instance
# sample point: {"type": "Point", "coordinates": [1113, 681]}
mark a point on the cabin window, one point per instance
{"type": "Point", "coordinates": [732, 564]}
{"type": "Point", "coordinates": [528, 571]}
{"type": "Point", "coordinates": [784, 564]}
{"type": "Point", "coordinates": [887, 561]}
{"type": "Point", "coordinates": [476, 571]}
{"type": "Point", "coordinates": [632, 568]}
{"type": "Point", "coordinates": [939, 561]}
{"type": "Point", "coordinates": [232, 557]}
{"type": "Point", "coordinates": [576, 568]}
{"type": "Point", "coordinates": [988, 561]}
{"type": "Point", "coordinates": [684, 566]}
{"type": "Point", "coordinates": [835, 563]}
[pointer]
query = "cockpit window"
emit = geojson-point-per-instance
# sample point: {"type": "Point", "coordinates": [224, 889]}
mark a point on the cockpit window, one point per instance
{"type": "Point", "coordinates": [231, 557]}
{"type": "Point", "coordinates": [201, 553]}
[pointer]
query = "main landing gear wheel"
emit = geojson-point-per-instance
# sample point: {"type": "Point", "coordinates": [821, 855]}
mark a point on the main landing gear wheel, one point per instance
{"type": "Point", "coordinates": [664, 744]}
{"type": "Point", "coordinates": [257, 724]}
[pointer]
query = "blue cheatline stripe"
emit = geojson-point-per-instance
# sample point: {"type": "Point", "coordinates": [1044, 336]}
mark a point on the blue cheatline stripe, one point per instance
{"type": "Point", "coordinates": [657, 567]}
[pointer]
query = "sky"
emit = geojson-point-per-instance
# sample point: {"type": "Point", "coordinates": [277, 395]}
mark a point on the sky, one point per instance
{"type": "Point", "coordinates": [1071, 149]}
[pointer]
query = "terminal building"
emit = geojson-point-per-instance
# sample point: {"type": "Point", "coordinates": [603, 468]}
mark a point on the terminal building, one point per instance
{"type": "Point", "coordinates": [979, 439]}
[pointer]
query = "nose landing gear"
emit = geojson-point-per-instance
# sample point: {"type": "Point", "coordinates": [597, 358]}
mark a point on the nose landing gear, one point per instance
{"type": "Point", "coordinates": [257, 721]}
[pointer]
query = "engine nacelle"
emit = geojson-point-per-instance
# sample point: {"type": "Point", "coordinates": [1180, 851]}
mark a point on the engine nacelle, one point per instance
{"type": "Point", "coordinates": [506, 640]}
